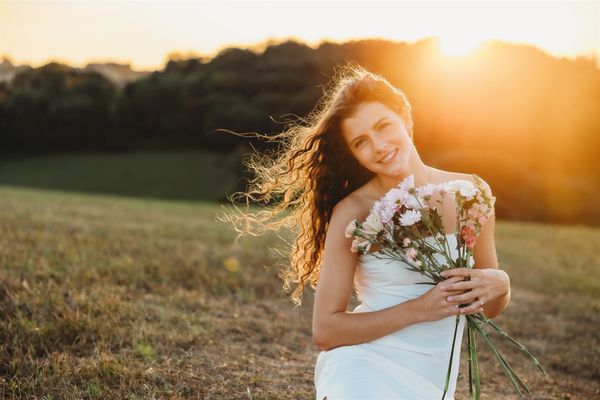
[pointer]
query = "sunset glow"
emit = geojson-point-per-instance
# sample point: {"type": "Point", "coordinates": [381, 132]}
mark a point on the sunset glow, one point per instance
{"type": "Point", "coordinates": [144, 33]}
{"type": "Point", "coordinates": [458, 45]}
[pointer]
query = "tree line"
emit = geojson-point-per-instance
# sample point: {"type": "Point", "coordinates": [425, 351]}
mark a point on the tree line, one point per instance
{"type": "Point", "coordinates": [526, 121]}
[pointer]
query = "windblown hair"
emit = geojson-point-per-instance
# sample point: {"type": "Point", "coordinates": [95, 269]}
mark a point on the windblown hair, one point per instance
{"type": "Point", "coordinates": [311, 172]}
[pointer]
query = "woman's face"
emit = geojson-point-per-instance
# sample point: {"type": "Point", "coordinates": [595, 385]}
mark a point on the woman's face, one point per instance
{"type": "Point", "coordinates": [378, 138]}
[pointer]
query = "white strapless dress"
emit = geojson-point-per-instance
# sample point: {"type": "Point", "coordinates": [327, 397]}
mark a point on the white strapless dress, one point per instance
{"type": "Point", "coordinates": [409, 364]}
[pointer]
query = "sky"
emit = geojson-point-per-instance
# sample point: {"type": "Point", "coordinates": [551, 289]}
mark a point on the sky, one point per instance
{"type": "Point", "coordinates": [144, 33]}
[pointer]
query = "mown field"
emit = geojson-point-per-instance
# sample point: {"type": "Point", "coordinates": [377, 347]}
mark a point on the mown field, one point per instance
{"type": "Point", "coordinates": [114, 298]}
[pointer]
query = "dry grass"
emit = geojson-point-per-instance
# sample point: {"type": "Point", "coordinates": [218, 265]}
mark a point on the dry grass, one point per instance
{"type": "Point", "coordinates": [105, 297]}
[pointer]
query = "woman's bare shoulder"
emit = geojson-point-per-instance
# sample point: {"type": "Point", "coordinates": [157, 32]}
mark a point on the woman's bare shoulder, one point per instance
{"type": "Point", "coordinates": [356, 205]}
{"type": "Point", "coordinates": [446, 176]}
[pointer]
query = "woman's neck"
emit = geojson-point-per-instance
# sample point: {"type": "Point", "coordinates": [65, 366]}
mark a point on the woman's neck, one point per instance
{"type": "Point", "coordinates": [422, 174]}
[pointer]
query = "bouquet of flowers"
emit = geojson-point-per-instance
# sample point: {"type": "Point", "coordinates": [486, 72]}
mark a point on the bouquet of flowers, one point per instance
{"type": "Point", "coordinates": [398, 225]}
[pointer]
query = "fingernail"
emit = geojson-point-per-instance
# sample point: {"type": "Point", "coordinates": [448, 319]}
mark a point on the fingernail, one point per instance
{"type": "Point", "coordinates": [450, 298]}
{"type": "Point", "coordinates": [462, 311]}
{"type": "Point", "coordinates": [443, 287]}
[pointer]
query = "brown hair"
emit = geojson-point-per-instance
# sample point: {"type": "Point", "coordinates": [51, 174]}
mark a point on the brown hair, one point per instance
{"type": "Point", "coordinates": [313, 170]}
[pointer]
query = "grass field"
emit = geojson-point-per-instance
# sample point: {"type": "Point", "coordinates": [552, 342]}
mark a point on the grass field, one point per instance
{"type": "Point", "coordinates": [114, 298]}
{"type": "Point", "coordinates": [183, 175]}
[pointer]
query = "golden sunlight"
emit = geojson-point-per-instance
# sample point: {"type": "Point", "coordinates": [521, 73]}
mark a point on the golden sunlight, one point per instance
{"type": "Point", "coordinates": [458, 44]}
{"type": "Point", "coordinates": [143, 33]}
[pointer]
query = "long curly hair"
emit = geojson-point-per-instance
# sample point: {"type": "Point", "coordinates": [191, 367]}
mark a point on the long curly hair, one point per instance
{"type": "Point", "coordinates": [312, 170]}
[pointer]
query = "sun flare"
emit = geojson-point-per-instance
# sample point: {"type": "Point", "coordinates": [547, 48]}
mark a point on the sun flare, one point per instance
{"type": "Point", "coordinates": [458, 45]}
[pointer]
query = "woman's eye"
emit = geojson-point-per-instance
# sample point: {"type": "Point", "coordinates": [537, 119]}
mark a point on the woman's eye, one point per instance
{"type": "Point", "coordinates": [384, 125]}
{"type": "Point", "coordinates": [359, 143]}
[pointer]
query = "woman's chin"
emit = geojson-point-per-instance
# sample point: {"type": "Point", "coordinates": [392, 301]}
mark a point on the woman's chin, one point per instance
{"type": "Point", "coordinates": [393, 170]}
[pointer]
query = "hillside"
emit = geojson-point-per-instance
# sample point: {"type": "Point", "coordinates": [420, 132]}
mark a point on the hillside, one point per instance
{"type": "Point", "coordinates": [174, 175]}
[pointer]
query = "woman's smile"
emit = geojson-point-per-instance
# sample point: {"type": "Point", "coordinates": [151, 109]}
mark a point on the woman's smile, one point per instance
{"type": "Point", "coordinates": [389, 157]}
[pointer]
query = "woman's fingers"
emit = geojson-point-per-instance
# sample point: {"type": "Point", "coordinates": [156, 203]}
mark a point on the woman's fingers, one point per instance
{"type": "Point", "coordinates": [461, 272]}
{"type": "Point", "coordinates": [463, 298]}
{"type": "Point", "coordinates": [448, 282]}
{"type": "Point", "coordinates": [457, 285]}
{"type": "Point", "coordinates": [472, 308]}
{"type": "Point", "coordinates": [452, 293]}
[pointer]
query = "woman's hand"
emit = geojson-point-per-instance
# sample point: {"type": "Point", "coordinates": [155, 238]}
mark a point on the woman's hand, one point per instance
{"type": "Point", "coordinates": [484, 286]}
{"type": "Point", "coordinates": [432, 305]}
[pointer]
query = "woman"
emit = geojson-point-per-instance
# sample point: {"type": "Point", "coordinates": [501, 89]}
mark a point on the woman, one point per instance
{"type": "Point", "coordinates": [396, 343]}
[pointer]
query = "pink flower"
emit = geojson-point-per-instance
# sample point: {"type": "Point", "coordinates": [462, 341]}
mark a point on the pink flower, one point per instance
{"type": "Point", "coordinates": [467, 233]}
{"type": "Point", "coordinates": [470, 242]}
{"type": "Point", "coordinates": [411, 253]}
{"type": "Point", "coordinates": [473, 213]}
{"type": "Point", "coordinates": [482, 219]}
{"type": "Point", "coordinates": [483, 209]}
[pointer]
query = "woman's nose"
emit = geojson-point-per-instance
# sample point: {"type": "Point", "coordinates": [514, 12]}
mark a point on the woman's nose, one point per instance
{"type": "Point", "coordinates": [379, 145]}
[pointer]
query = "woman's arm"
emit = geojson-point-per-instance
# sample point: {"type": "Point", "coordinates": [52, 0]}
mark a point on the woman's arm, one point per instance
{"type": "Point", "coordinates": [332, 329]}
{"type": "Point", "coordinates": [333, 326]}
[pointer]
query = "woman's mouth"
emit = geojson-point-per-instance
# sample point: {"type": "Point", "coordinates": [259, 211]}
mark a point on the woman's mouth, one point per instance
{"type": "Point", "coordinates": [389, 157]}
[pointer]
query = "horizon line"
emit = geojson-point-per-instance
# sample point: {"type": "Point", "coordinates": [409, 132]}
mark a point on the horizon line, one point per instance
{"type": "Point", "coordinates": [259, 47]}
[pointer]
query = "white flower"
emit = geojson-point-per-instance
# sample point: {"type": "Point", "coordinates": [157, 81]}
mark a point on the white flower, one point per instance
{"type": "Point", "coordinates": [443, 188]}
{"type": "Point", "coordinates": [407, 183]}
{"type": "Point", "coordinates": [465, 188]}
{"type": "Point", "coordinates": [376, 209]}
{"type": "Point", "coordinates": [410, 201]}
{"type": "Point", "coordinates": [383, 210]}
{"type": "Point", "coordinates": [426, 190]}
{"type": "Point", "coordinates": [394, 196]}
{"type": "Point", "coordinates": [387, 206]}
{"type": "Point", "coordinates": [410, 217]}
{"type": "Point", "coordinates": [388, 209]}
{"type": "Point", "coordinates": [359, 244]}
{"type": "Point", "coordinates": [406, 241]}
{"type": "Point", "coordinates": [350, 229]}
{"type": "Point", "coordinates": [373, 224]}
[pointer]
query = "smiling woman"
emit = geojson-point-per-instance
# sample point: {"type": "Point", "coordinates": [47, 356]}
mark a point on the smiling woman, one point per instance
{"type": "Point", "coordinates": [356, 147]}
{"type": "Point", "coordinates": [379, 146]}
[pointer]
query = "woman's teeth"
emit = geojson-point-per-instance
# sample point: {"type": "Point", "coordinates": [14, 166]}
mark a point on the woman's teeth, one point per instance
{"type": "Point", "coordinates": [389, 156]}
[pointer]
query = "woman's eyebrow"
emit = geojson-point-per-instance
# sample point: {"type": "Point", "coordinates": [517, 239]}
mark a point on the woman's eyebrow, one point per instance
{"type": "Point", "coordinates": [380, 120]}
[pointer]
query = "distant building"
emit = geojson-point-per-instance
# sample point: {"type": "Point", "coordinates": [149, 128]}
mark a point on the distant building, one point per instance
{"type": "Point", "coordinates": [119, 74]}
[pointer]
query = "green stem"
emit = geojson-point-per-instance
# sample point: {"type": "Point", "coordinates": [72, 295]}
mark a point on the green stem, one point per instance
{"type": "Point", "coordinates": [451, 356]}
{"type": "Point", "coordinates": [473, 351]}
{"type": "Point", "coordinates": [483, 318]}
{"type": "Point", "coordinates": [507, 369]}
{"type": "Point", "coordinates": [470, 361]}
